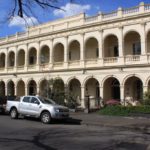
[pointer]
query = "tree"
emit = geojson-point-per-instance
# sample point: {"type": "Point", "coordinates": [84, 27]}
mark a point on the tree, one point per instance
{"type": "Point", "coordinates": [24, 8]}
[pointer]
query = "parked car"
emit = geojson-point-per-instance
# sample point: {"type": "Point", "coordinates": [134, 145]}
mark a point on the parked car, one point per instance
{"type": "Point", "coordinates": [36, 106]}
{"type": "Point", "coordinates": [2, 104]}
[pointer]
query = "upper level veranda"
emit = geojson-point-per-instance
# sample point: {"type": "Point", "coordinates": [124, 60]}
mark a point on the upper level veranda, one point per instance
{"type": "Point", "coordinates": [120, 38]}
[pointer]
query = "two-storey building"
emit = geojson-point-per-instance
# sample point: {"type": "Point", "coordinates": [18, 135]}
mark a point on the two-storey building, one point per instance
{"type": "Point", "coordinates": [106, 55]}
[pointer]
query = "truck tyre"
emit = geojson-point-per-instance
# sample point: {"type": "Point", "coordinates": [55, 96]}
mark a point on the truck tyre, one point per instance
{"type": "Point", "coordinates": [14, 113]}
{"type": "Point", "coordinates": [46, 117]}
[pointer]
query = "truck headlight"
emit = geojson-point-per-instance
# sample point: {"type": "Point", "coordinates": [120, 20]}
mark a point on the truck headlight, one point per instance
{"type": "Point", "coordinates": [56, 109]}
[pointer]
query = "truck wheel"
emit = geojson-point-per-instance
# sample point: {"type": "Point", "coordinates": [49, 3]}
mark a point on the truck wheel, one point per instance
{"type": "Point", "coordinates": [14, 113]}
{"type": "Point", "coordinates": [45, 117]}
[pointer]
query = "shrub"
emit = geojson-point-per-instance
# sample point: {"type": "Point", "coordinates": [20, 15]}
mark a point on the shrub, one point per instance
{"type": "Point", "coordinates": [146, 98]}
{"type": "Point", "coordinates": [119, 110]}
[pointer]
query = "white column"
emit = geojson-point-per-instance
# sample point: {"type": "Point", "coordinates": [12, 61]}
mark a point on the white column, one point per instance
{"type": "Point", "coordinates": [121, 46]}
{"type": "Point", "coordinates": [82, 97]}
{"type": "Point", "coordinates": [37, 90]}
{"type": "Point", "coordinates": [26, 57]}
{"type": "Point", "coordinates": [6, 90]}
{"type": "Point", "coordinates": [26, 90]}
{"type": "Point", "coordinates": [6, 60]}
{"type": "Point", "coordinates": [122, 94]}
{"type": "Point", "coordinates": [16, 58]}
{"type": "Point", "coordinates": [15, 90]}
{"type": "Point", "coordinates": [100, 44]}
{"type": "Point", "coordinates": [101, 92]}
{"type": "Point", "coordinates": [143, 39]}
{"type": "Point", "coordinates": [51, 53]}
{"type": "Point", "coordinates": [121, 42]}
{"type": "Point", "coordinates": [38, 56]}
{"type": "Point", "coordinates": [145, 89]}
{"type": "Point", "coordinates": [82, 51]}
{"type": "Point", "coordinates": [66, 52]}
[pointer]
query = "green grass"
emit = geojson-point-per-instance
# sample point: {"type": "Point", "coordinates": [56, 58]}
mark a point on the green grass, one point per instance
{"type": "Point", "coordinates": [118, 110]}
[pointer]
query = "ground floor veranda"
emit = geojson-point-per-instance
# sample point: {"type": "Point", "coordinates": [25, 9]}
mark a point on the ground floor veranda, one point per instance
{"type": "Point", "coordinates": [97, 85]}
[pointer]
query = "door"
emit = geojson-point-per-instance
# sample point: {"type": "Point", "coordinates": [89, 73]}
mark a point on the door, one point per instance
{"type": "Point", "coordinates": [24, 105]}
{"type": "Point", "coordinates": [34, 106]}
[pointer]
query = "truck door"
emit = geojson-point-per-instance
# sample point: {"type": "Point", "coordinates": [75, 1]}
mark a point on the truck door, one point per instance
{"type": "Point", "coordinates": [24, 105]}
{"type": "Point", "coordinates": [34, 106]}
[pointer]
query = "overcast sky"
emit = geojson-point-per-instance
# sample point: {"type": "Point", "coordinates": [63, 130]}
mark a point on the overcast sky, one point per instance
{"type": "Point", "coordinates": [90, 7]}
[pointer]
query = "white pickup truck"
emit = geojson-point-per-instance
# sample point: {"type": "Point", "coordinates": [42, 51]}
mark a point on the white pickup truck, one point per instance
{"type": "Point", "coordinates": [36, 106]}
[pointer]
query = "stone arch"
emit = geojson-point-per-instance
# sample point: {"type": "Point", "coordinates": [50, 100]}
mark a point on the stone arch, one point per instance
{"type": "Point", "coordinates": [44, 88]}
{"type": "Point", "coordinates": [32, 56]}
{"type": "Point", "coordinates": [11, 59]}
{"type": "Point", "coordinates": [111, 88]}
{"type": "Point", "coordinates": [132, 43]}
{"type": "Point", "coordinates": [10, 88]}
{"type": "Point", "coordinates": [44, 54]}
{"type": "Point", "coordinates": [74, 50]}
{"type": "Point", "coordinates": [21, 57]}
{"type": "Point", "coordinates": [133, 87]}
{"type": "Point", "coordinates": [2, 60]}
{"type": "Point", "coordinates": [91, 48]}
{"type": "Point", "coordinates": [111, 44]}
{"type": "Point", "coordinates": [92, 91]}
{"type": "Point", "coordinates": [20, 88]}
{"type": "Point", "coordinates": [2, 88]}
{"type": "Point", "coordinates": [148, 41]}
{"type": "Point", "coordinates": [58, 52]}
{"type": "Point", "coordinates": [32, 87]}
{"type": "Point", "coordinates": [74, 89]}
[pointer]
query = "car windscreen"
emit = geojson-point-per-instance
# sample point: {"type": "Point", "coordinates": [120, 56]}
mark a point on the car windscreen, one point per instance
{"type": "Point", "coordinates": [46, 100]}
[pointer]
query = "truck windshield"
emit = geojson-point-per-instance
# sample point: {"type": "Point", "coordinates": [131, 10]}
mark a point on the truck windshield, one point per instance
{"type": "Point", "coordinates": [46, 100]}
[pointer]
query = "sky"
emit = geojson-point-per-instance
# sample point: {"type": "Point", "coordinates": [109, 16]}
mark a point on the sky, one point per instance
{"type": "Point", "coordinates": [90, 7]}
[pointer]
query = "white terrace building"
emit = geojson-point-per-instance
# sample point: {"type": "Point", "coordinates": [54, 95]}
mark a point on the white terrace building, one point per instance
{"type": "Point", "coordinates": [107, 56]}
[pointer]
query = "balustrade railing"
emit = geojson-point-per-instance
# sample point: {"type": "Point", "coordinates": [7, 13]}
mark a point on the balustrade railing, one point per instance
{"type": "Point", "coordinates": [130, 58]}
{"type": "Point", "coordinates": [110, 60]}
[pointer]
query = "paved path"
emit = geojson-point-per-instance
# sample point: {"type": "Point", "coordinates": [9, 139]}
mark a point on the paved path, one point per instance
{"type": "Point", "coordinates": [139, 123]}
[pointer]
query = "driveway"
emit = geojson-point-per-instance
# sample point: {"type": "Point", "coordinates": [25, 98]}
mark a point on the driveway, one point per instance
{"type": "Point", "coordinates": [30, 134]}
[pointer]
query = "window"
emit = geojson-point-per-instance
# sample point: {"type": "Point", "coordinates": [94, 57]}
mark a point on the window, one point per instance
{"type": "Point", "coordinates": [116, 54]}
{"type": "Point", "coordinates": [137, 48]}
{"type": "Point", "coordinates": [31, 60]}
{"type": "Point", "coordinates": [26, 99]}
{"type": "Point", "coordinates": [97, 52]}
{"type": "Point", "coordinates": [69, 55]}
{"type": "Point", "coordinates": [34, 100]}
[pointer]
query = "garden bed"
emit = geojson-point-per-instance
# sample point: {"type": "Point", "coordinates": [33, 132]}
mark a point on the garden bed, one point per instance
{"type": "Point", "coordinates": [118, 110]}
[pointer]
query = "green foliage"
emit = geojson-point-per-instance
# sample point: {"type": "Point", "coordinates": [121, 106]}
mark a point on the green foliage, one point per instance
{"type": "Point", "coordinates": [146, 98]}
{"type": "Point", "coordinates": [71, 100]}
{"type": "Point", "coordinates": [124, 111]}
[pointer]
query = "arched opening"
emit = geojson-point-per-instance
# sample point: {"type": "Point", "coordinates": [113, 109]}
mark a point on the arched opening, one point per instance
{"type": "Point", "coordinates": [148, 42]}
{"type": "Point", "coordinates": [2, 60]}
{"type": "Point", "coordinates": [58, 53]}
{"type": "Point", "coordinates": [74, 51]}
{"type": "Point", "coordinates": [92, 91]}
{"type": "Point", "coordinates": [134, 88]}
{"type": "Point", "coordinates": [45, 54]}
{"type": "Point", "coordinates": [74, 88]}
{"type": "Point", "coordinates": [11, 88]}
{"type": "Point", "coordinates": [132, 43]}
{"type": "Point", "coordinates": [20, 88]}
{"type": "Point", "coordinates": [11, 59]}
{"type": "Point", "coordinates": [32, 88]}
{"type": "Point", "coordinates": [2, 88]}
{"type": "Point", "coordinates": [32, 56]}
{"type": "Point", "coordinates": [111, 46]}
{"type": "Point", "coordinates": [45, 88]}
{"type": "Point", "coordinates": [58, 91]}
{"type": "Point", "coordinates": [91, 49]}
{"type": "Point", "coordinates": [21, 58]}
{"type": "Point", "coordinates": [111, 89]}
